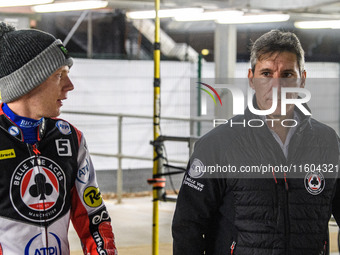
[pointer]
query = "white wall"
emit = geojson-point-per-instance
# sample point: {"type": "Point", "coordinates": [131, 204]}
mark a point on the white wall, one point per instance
{"type": "Point", "coordinates": [113, 86]}
{"type": "Point", "coordinates": [120, 86]}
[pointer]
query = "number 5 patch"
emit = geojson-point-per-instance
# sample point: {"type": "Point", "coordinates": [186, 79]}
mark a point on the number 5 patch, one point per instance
{"type": "Point", "coordinates": [63, 147]}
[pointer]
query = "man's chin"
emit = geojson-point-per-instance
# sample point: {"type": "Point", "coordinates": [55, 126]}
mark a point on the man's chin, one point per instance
{"type": "Point", "coordinates": [53, 115]}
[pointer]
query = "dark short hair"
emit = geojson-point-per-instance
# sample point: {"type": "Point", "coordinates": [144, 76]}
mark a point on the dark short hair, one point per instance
{"type": "Point", "coordinates": [277, 41]}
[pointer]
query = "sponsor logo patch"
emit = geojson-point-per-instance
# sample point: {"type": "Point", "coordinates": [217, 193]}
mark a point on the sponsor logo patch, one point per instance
{"type": "Point", "coordinates": [37, 192]}
{"type": "Point", "coordinates": [104, 239]}
{"type": "Point", "coordinates": [100, 243]}
{"type": "Point", "coordinates": [5, 154]}
{"type": "Point", "coordinates": [100, 217]}
{"type": "Point", "coordinates": [63, 127]}
{"type": "Point", "coordinates": [314, 182]}
{"type": "Point", "coordinates": [13, 130]}
{"type": "Point", "coordinates": [196, 169]}
{"type": "Point", "coordinates": [63, 50]}
{"type": "Point", "coordinates": [34, 245]}
{"type": "Point", "coordinates": [30, 124]}
{"type": "Point", "coordinates": [92, 197]}
{"type": "Point", "coordinates": [83, 175]}
{"type": "Point", "coordinates": [194, 184]}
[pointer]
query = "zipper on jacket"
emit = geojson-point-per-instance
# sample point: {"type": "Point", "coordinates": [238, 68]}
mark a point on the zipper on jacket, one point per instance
{"type": "Point", "coordinates": [287, 222]}
{"type": "Point", "coordinates": [232, 247]}
{"type": "Point", "coordinates": [286, 183]}
{"type": "Point", "coordinates": [34, 148]}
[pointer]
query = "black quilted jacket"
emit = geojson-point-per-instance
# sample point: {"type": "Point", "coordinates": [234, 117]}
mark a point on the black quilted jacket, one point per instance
{"type": "Point", "coordinates": [271, 215]}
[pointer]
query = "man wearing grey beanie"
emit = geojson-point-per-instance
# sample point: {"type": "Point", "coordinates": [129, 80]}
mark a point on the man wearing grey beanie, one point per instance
{"type": "Point", "coordinates": [46, 173]}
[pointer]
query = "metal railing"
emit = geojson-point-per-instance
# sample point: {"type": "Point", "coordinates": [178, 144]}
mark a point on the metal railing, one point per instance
{"type": "Point", "coordinates": [119, 155]}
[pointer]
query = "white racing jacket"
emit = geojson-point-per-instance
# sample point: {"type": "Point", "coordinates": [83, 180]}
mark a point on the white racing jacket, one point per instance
{"type": "Point", "coordinates": [45, 185]}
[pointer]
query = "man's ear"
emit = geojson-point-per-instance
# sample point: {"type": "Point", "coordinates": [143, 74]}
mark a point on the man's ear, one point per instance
{"type": "Point", "coordinates": [303, 79]}
{"type": "Point", "coordinates": [250, 78]}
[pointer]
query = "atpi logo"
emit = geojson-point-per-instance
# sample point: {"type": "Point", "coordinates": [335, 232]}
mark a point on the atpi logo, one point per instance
{"type": "Point", "coordinates": [35, 245]}
{"type": "Point", "coordinates": [83, 174]}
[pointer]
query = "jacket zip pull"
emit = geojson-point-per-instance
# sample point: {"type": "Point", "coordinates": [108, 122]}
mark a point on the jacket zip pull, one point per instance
{"type": "Point", "coordinates": [35, 150]}
{"type": "Point", "coordinates": [232, 247]}
{"type": "Point", "coordinates": [274, 177]}
{"type": "Point", "coordinates": [286, 183]}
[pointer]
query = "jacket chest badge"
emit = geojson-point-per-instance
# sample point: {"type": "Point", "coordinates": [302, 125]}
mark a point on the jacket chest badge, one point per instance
{"type": "Point", "coordinates": [314, 182]}
{"type": "Point", "coordinates": [63, 127]}
{"type": "Point", "coordinates": [37, 192]}
{"type": "Point", "coordinates": [13, 130]}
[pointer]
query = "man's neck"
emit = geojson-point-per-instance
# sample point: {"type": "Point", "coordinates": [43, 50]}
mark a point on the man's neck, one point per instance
{"type": "Point", "coordinates": [22, 108]}
{"type": "Point", "coordinates": [277, 126]}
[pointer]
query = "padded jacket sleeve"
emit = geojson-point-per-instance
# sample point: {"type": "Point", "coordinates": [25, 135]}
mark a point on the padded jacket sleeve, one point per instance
{"type": "Point", "coordinates": [198, 202]}
{"type": "Point", "coordinates": [89, 215]}
{"type": "Point", "coordinates": [336, 199]}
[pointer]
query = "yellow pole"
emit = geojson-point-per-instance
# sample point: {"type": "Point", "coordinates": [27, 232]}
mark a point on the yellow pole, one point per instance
{"type": "Point", "coordinates": [156, 130]}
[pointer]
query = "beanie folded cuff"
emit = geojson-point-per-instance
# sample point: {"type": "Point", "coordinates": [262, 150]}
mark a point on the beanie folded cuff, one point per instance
{"type": "Point", "coordinates": [33, 73]}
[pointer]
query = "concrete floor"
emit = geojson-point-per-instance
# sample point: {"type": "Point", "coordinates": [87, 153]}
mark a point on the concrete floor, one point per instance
{"type": "Point", "coordinates": [132, 226]}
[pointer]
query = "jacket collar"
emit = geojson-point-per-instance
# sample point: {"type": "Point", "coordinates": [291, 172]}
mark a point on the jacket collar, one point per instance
{"type": "Point", "coordinates": [10, 127]}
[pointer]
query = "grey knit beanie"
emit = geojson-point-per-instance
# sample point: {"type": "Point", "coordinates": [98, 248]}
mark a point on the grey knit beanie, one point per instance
{"type": "Point", "coordinates": [27, 58]}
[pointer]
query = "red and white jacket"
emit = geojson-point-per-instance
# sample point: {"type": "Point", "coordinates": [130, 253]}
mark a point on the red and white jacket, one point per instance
{"type": "Point", "coordinates": [45, 185]}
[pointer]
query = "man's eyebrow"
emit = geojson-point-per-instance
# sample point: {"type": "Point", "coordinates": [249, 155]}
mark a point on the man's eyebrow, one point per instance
{"type": "Point", "coordinates": [265, 70]}
{"type": "Point", "coordinates": [289, 70]}
{"type": "Point", "coordinates": [283, 71]}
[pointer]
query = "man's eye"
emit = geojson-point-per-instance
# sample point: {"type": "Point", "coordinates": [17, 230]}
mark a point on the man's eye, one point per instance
{"type": "Point", "coordinates": [266, 74]}
{"type": "Point", "coordinates": [287, 75]}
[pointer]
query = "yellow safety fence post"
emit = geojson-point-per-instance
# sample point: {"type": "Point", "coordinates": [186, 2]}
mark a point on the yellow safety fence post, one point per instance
{"type": "Point", "coordinates": [156, 132]}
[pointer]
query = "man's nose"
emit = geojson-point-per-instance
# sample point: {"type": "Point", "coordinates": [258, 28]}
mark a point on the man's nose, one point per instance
{"type": "Point", "coordinates": [68, 84]}
{"type": "Point", "coordinates": [276, 81]}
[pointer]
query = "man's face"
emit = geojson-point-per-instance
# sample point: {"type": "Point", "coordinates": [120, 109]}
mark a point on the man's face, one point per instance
{"type": "Point", "coordinates": [275, 70]}
{"type": "Point", "coordinates": [46, 99]}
